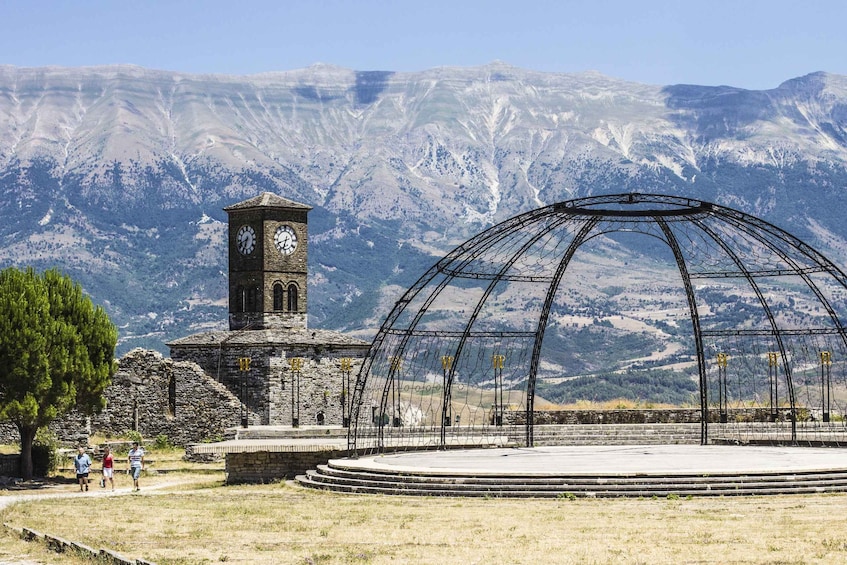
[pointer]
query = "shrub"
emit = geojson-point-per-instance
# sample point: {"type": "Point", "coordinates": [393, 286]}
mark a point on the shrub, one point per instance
{"type": "Point", "coordinates": [133, 435]}
{"type": "Point", "coordinates": [162, 442]}
{"type": "Point", "coordinates": [45, 453]}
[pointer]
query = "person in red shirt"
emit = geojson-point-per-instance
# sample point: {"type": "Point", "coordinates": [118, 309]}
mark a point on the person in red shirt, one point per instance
{"type": "Point", "coordinates": [108, 467]}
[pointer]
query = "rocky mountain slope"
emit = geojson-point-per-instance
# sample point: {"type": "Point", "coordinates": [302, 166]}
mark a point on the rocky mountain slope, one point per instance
{"type": "Point", "coordinates": [118, 174]}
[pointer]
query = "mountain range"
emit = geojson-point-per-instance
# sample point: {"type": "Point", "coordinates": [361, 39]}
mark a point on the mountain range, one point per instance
{"type": "Point", "coordinates": [118, 175]}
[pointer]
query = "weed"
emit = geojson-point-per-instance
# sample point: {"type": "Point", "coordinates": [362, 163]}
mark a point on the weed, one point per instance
{"type": "Point", "coordinates": [834, 544]}
{"type": "Point", "coordinates": [162, 442]}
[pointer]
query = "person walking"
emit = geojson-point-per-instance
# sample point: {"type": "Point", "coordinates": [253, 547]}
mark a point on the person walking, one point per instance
{"type": "Point", "coordinates": [136, 463]}
{"type": "Point", "coordinates": [108, 467]}
{"type": "Point", "coordinates": [82, 465]}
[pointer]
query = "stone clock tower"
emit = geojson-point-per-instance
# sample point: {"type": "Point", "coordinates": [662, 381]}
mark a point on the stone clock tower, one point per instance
{"type": "Point", "coordinates": [274, 369]}
{"type": "Point", "coordinates": [268, 244]}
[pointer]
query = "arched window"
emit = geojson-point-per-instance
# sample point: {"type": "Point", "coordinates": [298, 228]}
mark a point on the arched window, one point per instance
{"type": "Point", "coordinates": [292, 298]}
{"type": "Point", "coordinates": [278, 300]}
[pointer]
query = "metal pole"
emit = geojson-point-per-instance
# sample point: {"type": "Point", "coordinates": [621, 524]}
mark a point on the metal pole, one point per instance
{"type": "Point", "coordinates": [773, 361]}
{"type": "Point", "coordinates": [497, 361]}
{"type": "Point", "coordinates": [296, 367]}
{"type": "Point", "coordinates": [297, 419]}
{"type": "Point", "coordinates": [446, 412]}
{"type": "Point", "coordinates": [244, 369]}
{"type": "Point", "coordinates": [722, 389]}
{"type": "Point", "coordinates": [346, 366]}
{"type": "Point", "coordinates": [826, 362]}
{"type": "Point", "coordinates": [395, 392]}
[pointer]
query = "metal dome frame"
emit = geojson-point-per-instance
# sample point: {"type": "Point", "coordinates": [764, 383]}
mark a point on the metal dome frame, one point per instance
{"type": "Point", "coordinates": [533, 250]}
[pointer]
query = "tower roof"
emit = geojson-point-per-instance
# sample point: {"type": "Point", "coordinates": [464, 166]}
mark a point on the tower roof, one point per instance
{"type": "Point", "coordinates": [267, 200]}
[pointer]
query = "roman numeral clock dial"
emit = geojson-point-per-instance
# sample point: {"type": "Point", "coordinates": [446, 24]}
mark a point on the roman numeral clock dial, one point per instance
{"type": "Point", "coordinates": [285, 240]}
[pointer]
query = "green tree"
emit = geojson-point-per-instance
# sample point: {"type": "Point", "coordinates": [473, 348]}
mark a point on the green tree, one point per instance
{"type": "Point", "coordinates": [56, 352]}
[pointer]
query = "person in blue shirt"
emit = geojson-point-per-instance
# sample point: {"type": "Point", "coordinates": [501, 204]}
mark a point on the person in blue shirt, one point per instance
{"type": "Point", "coordinates": [82, 464]}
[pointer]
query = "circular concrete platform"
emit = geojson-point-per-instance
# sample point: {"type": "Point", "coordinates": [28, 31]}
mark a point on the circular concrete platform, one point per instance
{"type": "Point", "coordinates": [607, 460]}
{"type": "Point", "coordinates": [632, 470]}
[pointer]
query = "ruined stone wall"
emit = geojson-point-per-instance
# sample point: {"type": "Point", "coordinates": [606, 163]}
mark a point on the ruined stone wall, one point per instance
{"type": "Point", "coordinates": [9, 433]}
{"type": "Point", "coordinates": [71, 429]}
{"type": "Point", "coordinates": [157, 396]}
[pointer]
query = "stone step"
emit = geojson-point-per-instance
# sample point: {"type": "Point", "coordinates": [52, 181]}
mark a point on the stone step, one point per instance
{"type": "Point", "coordinates": [288, 432]}
{"type": "Point", "coordinates": [335, 476]}
{"type": "Point", "coordinates": [338, 470]}
{"type": "Point", "coordinates": [599, 488]}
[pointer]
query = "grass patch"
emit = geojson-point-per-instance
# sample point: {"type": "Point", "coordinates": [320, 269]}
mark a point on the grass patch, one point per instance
{"type": "Point", "coordinates": [205, 522]}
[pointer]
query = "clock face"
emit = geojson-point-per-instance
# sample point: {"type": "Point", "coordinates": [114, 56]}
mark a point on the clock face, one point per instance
{"type": "Point", "coordinates": [245, 239]}
{"type": "Point", "coordinates": [285, 240]}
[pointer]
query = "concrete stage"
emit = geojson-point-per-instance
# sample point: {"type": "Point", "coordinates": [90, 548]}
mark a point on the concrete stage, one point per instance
{"type": "Point", "coordinates": [608, 460]}
{"type": "Point", "coordinates": [625, 470]}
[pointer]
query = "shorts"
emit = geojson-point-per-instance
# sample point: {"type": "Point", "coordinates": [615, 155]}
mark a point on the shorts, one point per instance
{"type": "Point", "coordinates": [135, 472]}
{"type": "Point", "coordinates": [81, 476]}
{"type": "Point", "coordinates": [108, 472]}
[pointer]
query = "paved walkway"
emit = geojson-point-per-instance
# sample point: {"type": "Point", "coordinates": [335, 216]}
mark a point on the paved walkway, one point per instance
{"type": "Point", "coordinates": [608, 460]}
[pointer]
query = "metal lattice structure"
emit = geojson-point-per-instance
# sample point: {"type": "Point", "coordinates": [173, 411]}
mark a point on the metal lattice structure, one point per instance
{"type": "Point", "coordinates": [458, 358]}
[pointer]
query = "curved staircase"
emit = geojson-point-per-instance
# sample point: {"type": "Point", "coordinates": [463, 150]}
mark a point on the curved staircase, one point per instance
{"type": "Point", "coordinates": [337, 476]}
{"type": "Point", "coordinates": [729, 474]}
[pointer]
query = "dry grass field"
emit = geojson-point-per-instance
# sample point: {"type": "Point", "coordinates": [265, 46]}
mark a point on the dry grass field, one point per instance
{"type": "Point", "coordinates": [198, 520]}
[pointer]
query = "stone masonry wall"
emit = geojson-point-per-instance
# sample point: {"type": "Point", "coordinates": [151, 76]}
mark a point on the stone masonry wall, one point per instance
{"type": "Point", "coordinates": [157, 396]}
{"type": "Point", "coordinates": [275, 393]}
{"type": "Point", "coordinates": [266, 467]}
{"type": "Point", "coordinates": [71, 429]}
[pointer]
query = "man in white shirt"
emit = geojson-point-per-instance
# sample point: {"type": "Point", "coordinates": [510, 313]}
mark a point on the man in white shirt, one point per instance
{"type": "Point", "coordinates": [136, 462]}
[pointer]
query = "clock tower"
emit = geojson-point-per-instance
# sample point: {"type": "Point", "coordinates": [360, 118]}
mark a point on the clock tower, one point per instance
{"type": "Point", "coordinates": [268, 241]}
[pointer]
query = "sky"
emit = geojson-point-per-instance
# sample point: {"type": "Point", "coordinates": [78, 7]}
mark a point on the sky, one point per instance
{"type": "Point", "coordinates": [751, 44]}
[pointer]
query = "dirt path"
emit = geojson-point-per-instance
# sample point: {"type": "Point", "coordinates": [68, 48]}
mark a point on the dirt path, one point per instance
{"type": "Point", "coordinates": [70, 490]}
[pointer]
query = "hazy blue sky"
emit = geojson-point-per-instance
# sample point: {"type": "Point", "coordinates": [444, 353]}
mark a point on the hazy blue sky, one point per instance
{"type": "Point", "coordinates": [752, 44]}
